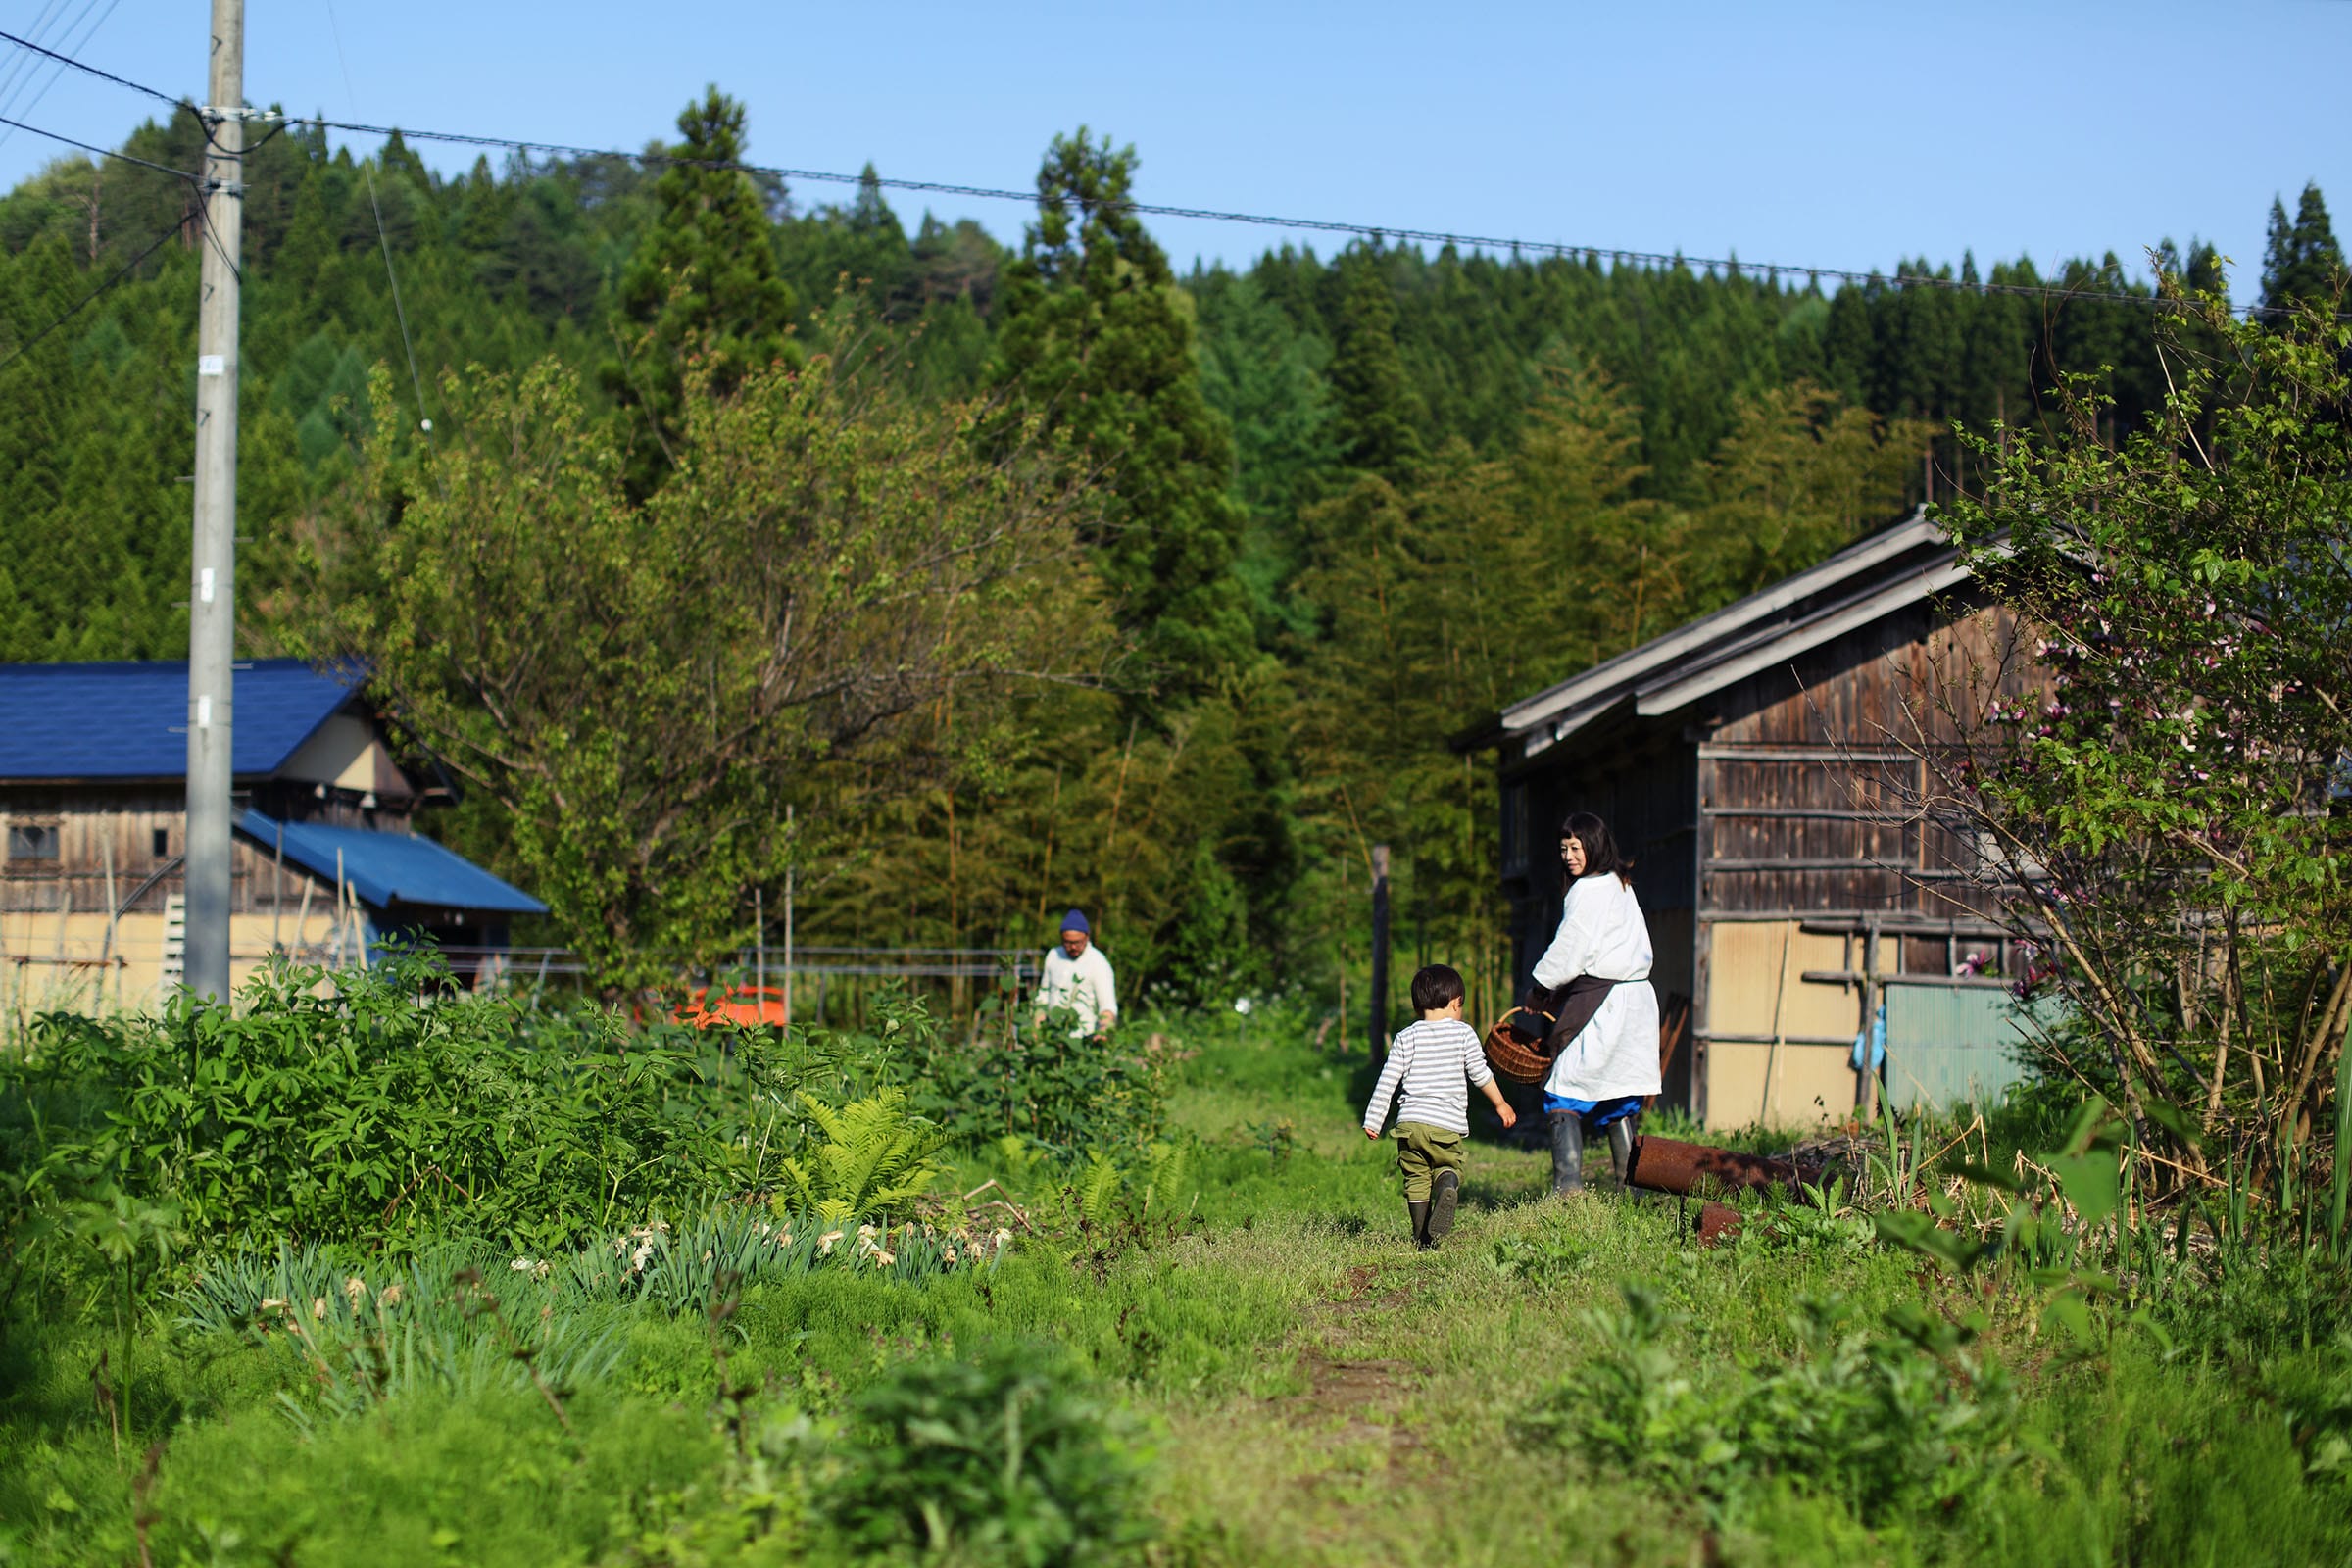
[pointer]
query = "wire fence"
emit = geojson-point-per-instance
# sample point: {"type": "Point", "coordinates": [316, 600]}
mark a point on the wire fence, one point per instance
{"type": "Point", "coordinates": [913, 964]}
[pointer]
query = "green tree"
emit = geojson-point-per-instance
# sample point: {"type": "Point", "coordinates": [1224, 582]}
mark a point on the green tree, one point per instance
{"type": "Point", "coordinates": [1097, 339]}
{"type": "Point", "coordinates": [1376, 416]}
{"type": "Point", "coordinates": [655, 681]}
{"type": "Point", "coordinates": [2301, 261]}
{"type": "Point", "coordinates": [703, 285]}
{"type": "Point", "coordinates": [2158, 799]}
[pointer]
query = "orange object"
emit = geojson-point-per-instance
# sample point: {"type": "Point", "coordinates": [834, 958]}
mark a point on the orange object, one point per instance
{"type": "Point", "coordinates": [708, 1007]}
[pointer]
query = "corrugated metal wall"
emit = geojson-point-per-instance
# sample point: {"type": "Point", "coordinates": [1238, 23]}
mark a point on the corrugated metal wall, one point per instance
{"type": "Point", "coordinates": [1949, 1045]}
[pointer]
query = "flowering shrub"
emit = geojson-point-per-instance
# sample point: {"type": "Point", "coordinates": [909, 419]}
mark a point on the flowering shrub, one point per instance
{"type": "Point", "coordinates": [2165, 808]}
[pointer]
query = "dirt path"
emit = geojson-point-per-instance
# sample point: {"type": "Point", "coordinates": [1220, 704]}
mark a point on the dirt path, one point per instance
{"type": "Point", "coordinates": [1350, 1398]}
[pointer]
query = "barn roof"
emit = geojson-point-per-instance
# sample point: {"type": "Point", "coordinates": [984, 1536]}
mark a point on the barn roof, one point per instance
{"type": "Point", "coordinates": [126, 720]}
{"type": "Point", "coordinates": [388, 871]}
{"type": "Point", "coordinates": [1883, 573]}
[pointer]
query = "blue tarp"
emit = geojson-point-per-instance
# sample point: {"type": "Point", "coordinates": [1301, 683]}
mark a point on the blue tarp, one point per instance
{"type": "Point", "coordinates": [130, 720]}
{"type": "Point", "coordinates": [388, 870]}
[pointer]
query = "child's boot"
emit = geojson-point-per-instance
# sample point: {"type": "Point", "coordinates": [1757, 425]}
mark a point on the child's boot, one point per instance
{"type": "Point", "coordinates": [1621, 1149]}
{"type": "Point", "coordinates": [1567, 1154]}
{"type": "Point", "coordinates": [1443, 1194]}
{"type": "Point", "coordinates": [1418, 1208]}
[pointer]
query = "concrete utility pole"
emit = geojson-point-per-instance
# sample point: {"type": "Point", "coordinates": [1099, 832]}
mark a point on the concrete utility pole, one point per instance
{"type": "Point", "coordinates": [213, 595]}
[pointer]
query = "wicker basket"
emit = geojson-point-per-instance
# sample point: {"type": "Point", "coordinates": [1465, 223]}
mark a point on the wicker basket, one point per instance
{"type": "Point", "coordinates": [1512, 1055]}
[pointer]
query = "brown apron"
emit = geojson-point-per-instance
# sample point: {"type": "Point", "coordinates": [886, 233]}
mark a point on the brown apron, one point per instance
{"type": "Point", "coordinates": [1572, 1007]}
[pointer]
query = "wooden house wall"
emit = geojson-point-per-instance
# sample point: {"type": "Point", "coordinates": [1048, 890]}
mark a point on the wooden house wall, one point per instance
{"type": "Point", "coordinates": [111, 834]}
{"type": "Point", "coordinates": [1816, 797]}
{"type": "Point", "coordinates": [1781, 827]}
{"type": "Point", "coordinates": [1818, 831]}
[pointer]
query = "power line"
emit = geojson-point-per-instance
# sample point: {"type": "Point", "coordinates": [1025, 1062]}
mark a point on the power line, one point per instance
{"type": "Point", "coordinates": [382, 240]}
{"type": "Point", "coordinates": [100, 152]}
{"type": "Point", "coordinates": [91, 71]}
{"type": "Point", "coordinates": [1565, 249]}
{"type": "Point", "coordinates": [15, 102]}
{"type": "Point", "coordinates": [1373, 232]}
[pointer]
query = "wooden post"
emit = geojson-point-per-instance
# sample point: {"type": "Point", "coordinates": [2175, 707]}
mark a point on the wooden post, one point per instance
{"type": "Point", "coordinates": [278, 899]}
{"type": "Point", "coordinates": [1870, 1020]}
{"type": "Point", "coordinates": [1380, 953]}
{"type": "Point", "coordinates": [793, 853]}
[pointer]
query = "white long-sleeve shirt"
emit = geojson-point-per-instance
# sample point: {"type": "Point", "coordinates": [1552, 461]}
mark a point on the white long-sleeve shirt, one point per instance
{"type": "Point", "coordinates": [1602, 933]}
{"type": "Point", "coordinates": [1083, 985]}
{"type": "Point", "coordinates": [1436, 1062]}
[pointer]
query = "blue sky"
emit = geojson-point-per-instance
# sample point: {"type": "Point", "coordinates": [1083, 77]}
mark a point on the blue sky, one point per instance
{"type": "Point", "coordinates": [1823, 135]}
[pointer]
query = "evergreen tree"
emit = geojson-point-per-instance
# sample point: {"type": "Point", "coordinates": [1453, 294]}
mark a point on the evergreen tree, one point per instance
{"type": "Point", "coordinates": [703, 285]}
{"type": "Point", "coordinates": [1376, 417]}
{"type": "Point", "coordinates": [1098, 341]}
{"type": "Point", "coordinates": [2302, 264]}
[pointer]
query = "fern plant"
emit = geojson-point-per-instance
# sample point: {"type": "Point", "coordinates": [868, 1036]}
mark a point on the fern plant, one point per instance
{"type": "Point", "coordinates": [876, 1155]}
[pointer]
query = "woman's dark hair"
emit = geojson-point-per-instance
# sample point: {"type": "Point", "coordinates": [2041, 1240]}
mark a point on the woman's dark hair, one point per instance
{"type": "Point", "coordinates": [1600, 848]}
{"type": "Point", "coordinates": [1434, 987]}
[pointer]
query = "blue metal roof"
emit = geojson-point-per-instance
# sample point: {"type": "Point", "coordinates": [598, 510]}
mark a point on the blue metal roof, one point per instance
{"type": "Point", "coordinates": [386, 869]}
{"type": "Point", "coordinates": [130, 720]}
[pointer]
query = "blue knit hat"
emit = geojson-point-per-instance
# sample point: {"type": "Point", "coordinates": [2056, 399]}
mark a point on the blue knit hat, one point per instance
{"type": "Point", "coordinates": [1075, 920]}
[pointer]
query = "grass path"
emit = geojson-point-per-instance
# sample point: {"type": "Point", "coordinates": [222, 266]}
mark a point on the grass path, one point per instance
{"type": "Point", "coordinates": [1376, 1426]}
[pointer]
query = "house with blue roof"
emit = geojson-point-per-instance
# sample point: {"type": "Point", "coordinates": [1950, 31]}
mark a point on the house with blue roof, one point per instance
{"type": "Point", "coordinates": [325, 865]}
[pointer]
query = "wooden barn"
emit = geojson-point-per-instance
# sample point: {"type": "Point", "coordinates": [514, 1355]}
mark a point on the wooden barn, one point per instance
{"type": "Point", "coordinates": [93, 814]}
{"type": "Point", "coordinates": [1763, 766]}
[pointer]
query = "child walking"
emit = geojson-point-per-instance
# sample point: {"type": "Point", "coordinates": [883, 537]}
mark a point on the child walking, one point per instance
{"type": "Point", "coordinates": [1433, 1061]}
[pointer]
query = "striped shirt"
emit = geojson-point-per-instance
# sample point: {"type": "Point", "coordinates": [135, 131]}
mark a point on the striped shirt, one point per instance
{"type": "Point", "coordinates": [1435, 1063]}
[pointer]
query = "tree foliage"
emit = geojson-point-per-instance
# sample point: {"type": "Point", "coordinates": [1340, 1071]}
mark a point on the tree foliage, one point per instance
{"type": "Point", "coordinates": [2166, 809]}
{"type": "Point", "coordinates": [1097, 339]}
{"type": "Point", "coordinates": [703, 286]}
{"type": "Point", "coordinates": [660, 679]}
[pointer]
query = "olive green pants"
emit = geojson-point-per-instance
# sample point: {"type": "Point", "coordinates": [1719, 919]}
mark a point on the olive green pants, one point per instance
{"type": "Point", "coordinates": [1423, 1151]}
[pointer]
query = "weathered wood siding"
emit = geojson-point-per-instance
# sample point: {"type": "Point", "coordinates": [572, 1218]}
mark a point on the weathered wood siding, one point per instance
{"type": "Point", "coordinates": [136, 833]}
{"type": "Point", "coordinates": [1822, 851]}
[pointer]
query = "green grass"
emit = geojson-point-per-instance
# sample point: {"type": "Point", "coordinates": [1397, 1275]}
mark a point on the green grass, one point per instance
{"type": "Point", "coordinates": [1314, 1391]}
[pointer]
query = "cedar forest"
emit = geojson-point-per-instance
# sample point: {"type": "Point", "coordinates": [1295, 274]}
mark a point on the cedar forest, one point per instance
{"type": "Point", "coordinates": [1204, 670]}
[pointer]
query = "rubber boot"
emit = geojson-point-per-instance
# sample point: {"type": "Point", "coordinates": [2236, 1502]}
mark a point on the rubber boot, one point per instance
{"type": "Point", "coordinates": [1443, 1192]}
{"type": "Point", "coordinates": [1419, 1211]}
{"type": "Point", "coordinates": [1621, 1149]}
{"type": "Point", "coordinates": [1567, 1154]}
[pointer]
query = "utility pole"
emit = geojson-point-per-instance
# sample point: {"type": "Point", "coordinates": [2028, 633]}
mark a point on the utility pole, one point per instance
{"type": "Point", "coordinates": [213, 595]}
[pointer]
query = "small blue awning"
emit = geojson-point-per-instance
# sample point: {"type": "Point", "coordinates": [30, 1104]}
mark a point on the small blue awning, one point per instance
{"type": "Point", "coordinates": [391, 870]}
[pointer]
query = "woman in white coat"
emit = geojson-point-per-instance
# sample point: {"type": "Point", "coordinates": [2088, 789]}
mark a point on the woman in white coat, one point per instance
{"type": "Point", "coordinates": [1597, 972]}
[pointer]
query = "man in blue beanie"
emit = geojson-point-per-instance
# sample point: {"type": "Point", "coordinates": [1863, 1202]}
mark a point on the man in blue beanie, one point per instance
{"type": "Point", "coordinates": [1077, 976]}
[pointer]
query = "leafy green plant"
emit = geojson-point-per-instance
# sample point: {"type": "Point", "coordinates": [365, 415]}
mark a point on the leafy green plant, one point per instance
{"type": "Point", "coordinates": [1278, 1136]}
{"type": "Point", "coordinates": [1113, 1204]}
{"type": "Point", "coordinates": [1067, 1091]}
{"type": "Point", "coordinates": [343, 1106]}
{"type": "Point", "coordinates": [2319, 1411]}
{"type": "Point", "coordinates": [2044, 1230]}
{"type": "Point", "coordinates": [1818, 1222]}
{"type": "Point", "coordinates": [876, 1157]}
{"type": "Point", "coordinates": [1883, 1421]}
{"type": "Point", "coordinates": [1006, 1457]}
{"type": "Point", "coordinates": [123, 1230]}
{"type": "Point", "coordinates": [1543, 1258]}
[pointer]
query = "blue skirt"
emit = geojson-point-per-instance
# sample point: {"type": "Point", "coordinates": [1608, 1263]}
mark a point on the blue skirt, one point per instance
{"type": "Point", "coordinates": [1597, 1113]}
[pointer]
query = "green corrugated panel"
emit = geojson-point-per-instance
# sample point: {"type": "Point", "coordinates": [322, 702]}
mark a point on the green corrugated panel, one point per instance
{"type": "Point", "coordinates": [1952, 1046]}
